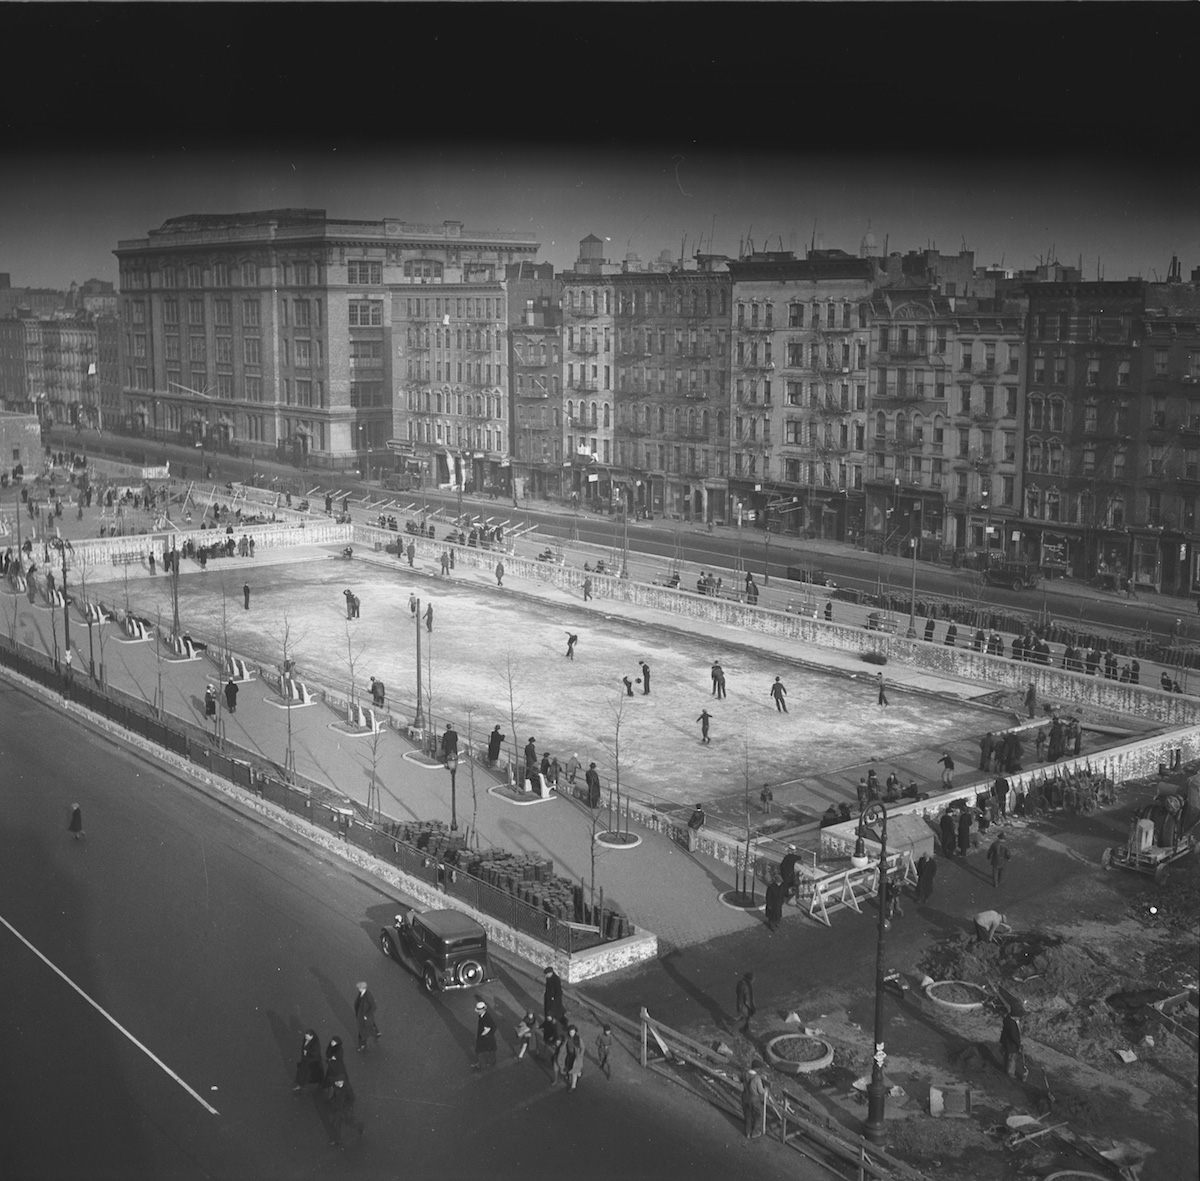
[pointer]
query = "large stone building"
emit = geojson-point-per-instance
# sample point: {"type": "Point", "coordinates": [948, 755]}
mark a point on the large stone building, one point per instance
{"type": "Point", "coordinates": [799, 365]}
{"type": "Point", "coordinates": [672, 390]}
{"type": "Point", "coordinates": [20, 447]}
{"type": "Point", "coordinates": [319, 340]}
{"type": "Point", "coordinates": [1112, 448]}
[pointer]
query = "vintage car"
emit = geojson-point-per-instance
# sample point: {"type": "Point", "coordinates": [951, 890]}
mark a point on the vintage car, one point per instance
{"type": "Point", "coordinates": [1017, 575]}
{"type": "Point", "coordinates": [445, 948]}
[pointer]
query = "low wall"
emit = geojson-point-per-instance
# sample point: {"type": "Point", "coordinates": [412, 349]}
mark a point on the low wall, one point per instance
{"type": "Point", "coordinates": [1133, 761]}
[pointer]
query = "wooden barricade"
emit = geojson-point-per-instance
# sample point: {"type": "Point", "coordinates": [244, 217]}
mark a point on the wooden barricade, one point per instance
{"type": "Point", "coordinates": [847, 888]}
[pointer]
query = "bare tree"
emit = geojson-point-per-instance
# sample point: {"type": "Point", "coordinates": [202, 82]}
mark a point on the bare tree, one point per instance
{"type": "Point", "coordinates": [473, 835]}
{"type": "Point", "coordinates": [508, 670]}
{"type": "Point", "coordinates": [374, 804]}
{"type": "Point", "coordinates": [158, 697]}
{"type": "Point", "coordinates": [289, 640]}
{"type": "Point", "coordinates": [746, 886]}
{"type": "Point", "coordinates": [228, 653]}
{"type": "Point", "coordinates": [353, 656]}
{"type": "Point", "coordinates": [617, 713]}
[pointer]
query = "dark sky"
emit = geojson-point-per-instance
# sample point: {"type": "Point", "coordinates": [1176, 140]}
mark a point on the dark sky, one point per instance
{"type": "Point", "coordinates": [1018, 129]}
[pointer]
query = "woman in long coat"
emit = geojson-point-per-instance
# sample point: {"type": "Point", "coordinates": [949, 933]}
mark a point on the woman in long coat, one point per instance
{"type": "Point", "coordinates": [310, 1068]}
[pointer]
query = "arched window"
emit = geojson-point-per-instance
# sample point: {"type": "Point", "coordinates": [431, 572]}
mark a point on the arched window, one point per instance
{"type": "Point", "coordinates": [439, 402]}
{"type": "Point", "coordinates": [595, 414]}
{"type": "Point", "coordinates": [881, 425]}
{"type": "Point", "coordinates": [662, 420]}
{"type": "Point", "coordinates": [691, 418]}
{"type": "Point", "coordinates": [678, 424]}
{"type": "Point", "coordinates": [704, 423]}
{"type": "Point", "coordinates": [1033, 455]}
{"type": "Point", "coordinates": [722, 424]}
{"type": "Point", "coordinates": [570, 410]}
{"type": "Point", "coordinates": [918, 429]}
{"type": "Point", "coordinates": [1033, 502]}
{"type": "Point", "coordinates": [901, 428]}
{"type": "Point", "coordinates": [1056, 414]}
{"type": "Point", "coordinates": [607, 418]}
{"type": "Point", "coordinates": [1054, 457]}
{"type": "Point", "coordinates": [1036, 413]}
{"type": "Point", "coordinates": [1053, 505]}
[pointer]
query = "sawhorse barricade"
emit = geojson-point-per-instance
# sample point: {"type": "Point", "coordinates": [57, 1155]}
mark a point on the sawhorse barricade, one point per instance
{"type": "Point", "coordinates": [136, 628]}
{"type": "Point", "coordinates": [19, 583]}
{"type": "Point", "coordinates": [94, 613]}
{"type": "Point", "coordinates": [54, 597]}
{"type": "Point", "coordinates": [849, 887]}
{"type": "Point", "coordinates": [184, 648]}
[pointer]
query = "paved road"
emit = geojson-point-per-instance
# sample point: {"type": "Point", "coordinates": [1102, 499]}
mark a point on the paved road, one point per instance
{"type": "Point", "coordinates": [213, 942]}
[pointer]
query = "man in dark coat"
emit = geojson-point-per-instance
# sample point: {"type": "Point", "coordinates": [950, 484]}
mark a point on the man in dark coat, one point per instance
{"type": "Point", "coordinates": [364, 1015]}
{"type": "Point", "coordinates": [309, 1068]}
{"type": "Point", "coordinates": [592, 779]}
{"type": "Point", "coordinates": [246, 597]}
{"type": "Point", "coordinates": [449, 742]}
{"type": "Point", "coordinates": [231, 692]}
{"type": "Point", "coordinates": [926, 872]}
{"type": "Point", "coordinates": [485, 1038]}
{"type": "Point", "coordinates": [985, 752]}
{"type": "Point", "coordinates": [929, 626]}
{"type": "Point", "coordinates": [774, 906]}
{"type": "Point", "coordinates": [645, 678]}
{"type": "Point", "coordinates": [531, 760]}
{"type": "Point", "coordinates": [552, 996]}
{"type": "Point", "coordinates": [964, 831]}
{"type": "Point", "coordinates": [1010, 1043]}
{"type": "Point", "coordinates": [787, 870]}
{"type": "Point", "coordinates": [948, 829]}
{"type": "Point", "coordinates": [495, 741]}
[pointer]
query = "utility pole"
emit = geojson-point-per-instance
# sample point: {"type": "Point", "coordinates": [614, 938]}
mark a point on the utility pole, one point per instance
{"type": "Point", "coordinates": [419, 720]}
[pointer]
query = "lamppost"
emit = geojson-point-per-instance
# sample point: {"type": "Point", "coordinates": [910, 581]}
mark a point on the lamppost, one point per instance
{"type": "Point", "coordinates": [63, 546]}
{"type": "Point", "coordinates": [874, 1129]}
{"type": "Point", "coordinates": [419, 720]}
{"type": "Point", "coordinates": [452, 767]}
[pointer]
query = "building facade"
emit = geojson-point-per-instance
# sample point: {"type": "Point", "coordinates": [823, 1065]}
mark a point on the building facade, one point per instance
{"type": "Point", "coordinates": [536, 442]}
{"type": "Point", "coordinates": [289, 333]}
{"type": "Point", "coordinates": [672, 391]}
{"type": "Point", "coordinates": [22, 373]}
{"type": "Point", "coordinates": [799, 368]}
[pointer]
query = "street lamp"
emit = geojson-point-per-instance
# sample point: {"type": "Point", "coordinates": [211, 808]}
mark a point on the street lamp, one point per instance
{"type": "Point", "coordinates": [419, 720]}
{"type": "Point", "coordinates": [452, 767]}
{"type": "Point", "coordinates": [874, 1129]}
{"type": "Point", "coordinates": [63, 546]}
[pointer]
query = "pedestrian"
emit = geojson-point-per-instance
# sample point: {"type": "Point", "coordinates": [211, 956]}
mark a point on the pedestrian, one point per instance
{"type": "Point", "coordinates": [341, 1111]}
{"type": "Point", "coordinates": [485, 1038]}
{"type": "Point", "coordinates": [930, 624]}
{"type": "Point", "coordinates": [573, 1061]}
{"type": "Point", "coordinates": [412, 605]}
{"type": "Point", "coordinates": [429, 618]}
{"type": "Point", "coordinates": [645, 678]}
{"type": "Point", "coordinates": [947, 769]}
{"type": "Point", "coordinates": [449, 747]}
{"type": "Point", "coordinates": [744, 997]}
{"type": "Point", "coordinates": [495, 741]}
{"type": "Point", "coordinates": [410, 553]}
{"type": "Point", "coordinates": [572, 640]}
{"type": "Point", "coordinates": [704, 719]}
{"type": "Point", "coordinates": [779, 693]}
{"type": "Point", "coordinates": [628, 686]}
{"type": "Point", "coordinates": [355, 604]}
{"type": "Point", "coordinates": [554, 1034]}
{"type": "Point", "coordinates": [573, 767]}
{"type": "Point", "coordinates": [828, 610]}
{"type": "Point", "coordinates": [926, 872]}
{"type": "Point", "coordinates": [231, 692]}
{"type": "Point", "coordinates": [446, 562]}
{"type": "Point", "coordinates": [210, 701]}
{"type": "Point", "coordinates": [964, 830]}
{"type": "Point", "coordinates": [696, 821]}
{"type": "Point", "coordinates": [882, 690]}
{"type": "Point", "coordinates": [531, 760]}
{"type": "Point", "coordinates": [603, 1048]}
{"type": "Point", "coordinates": [552, 995]}
{"type": "Point", "coordinates": [1010, 1044]}
{"type": "Point", "coordinates": [151, 561]}
{"type": "Point", "coordinates": [364, 1015]}
{"type": "Point", "coordinates": [766, 798]}
{"type": "Point", "coordinates": [378, 693]}
{"type": "Point", "coordinates": [989, 924]}
{"type": "Point", "coordinates": [774, 903]}
{"type": "Point", "coordinates": [526, 1032]}
{"type": "Point", "coordinates": [986, 746]}
{"type": "Point", "coordinates": [587, 589]}
{"type": "Point", "coordinates": [720, 682]}
{"type": "Point", "coordinates": [754, 1100]}
{"type": "Point", "coordinates": [335, 1062]}
{"type": "Point", "coordinates": [999, 855]}
{"type": "Point", "coordinates": [499, 573]}
{"type": "Point", "coordinates": [948, 829]}
{"type": "Point", "coordinates": [592, 779]}
{"type": "Point", "coordinates": [246, 597]}
{"type": "Point", "coordinates": [787, 872]}
{"type": "Point", "coordinates": [1031, 698]}
{"type": "Point", "coordinates": [75, 826]}
{"type": "Point", "coordinates": [349, 597]}
{"type": "Point", "coordinates": [309, 1068]}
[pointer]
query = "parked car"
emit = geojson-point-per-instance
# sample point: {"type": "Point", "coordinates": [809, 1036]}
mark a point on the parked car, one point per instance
{"type": "Point", "coordinates": [804, 574]}
{"type": "Point", "coordinates": [1018, 575]}
{"type": "Point", "coordinates": [445, 948]}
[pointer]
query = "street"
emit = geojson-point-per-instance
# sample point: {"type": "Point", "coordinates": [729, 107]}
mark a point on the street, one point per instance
{"type": "Point", "coordinates": [213, 943]}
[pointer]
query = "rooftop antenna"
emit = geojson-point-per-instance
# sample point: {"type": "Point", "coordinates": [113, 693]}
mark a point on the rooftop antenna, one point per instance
{"type": "Point", "coordinates": [682, 248]}
{"type": "Point", "coordinates": [813, 244]}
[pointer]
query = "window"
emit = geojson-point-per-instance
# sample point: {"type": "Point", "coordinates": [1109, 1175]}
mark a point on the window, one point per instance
{"type": "Point", "coordinates": [253, 388]}
{"type": "Point", "coordinates": [171, 345]}
{"type": "Point", "coordinates": [170, 311]}
{"type": "Point", "coordinates": [422, 268]}
{"type": "Point", "coordinates": [138, 311]}
{"type": "Point", "coordinates": [303, 354]}
{"type": "Point", "coordinates": [1160, 362]}
{"type": "Point", "coordinates": [361, 271]}
{"type": "Point", "coordinates": [366, 313]}
{"type": "Point", "coordinates": [251, 350]}
{"type": "Point", "coordinates": [222, 312]}
{"type": "Point", "coordinates": [1039, 368]}
{"type": "Point", "coordinates": [1014, 358]}
{"type": "Point", "coordinates": [224, 350]}
{"type": "Point", "coordinates": [250, 313]}
{"type": "Point", "coordinates": [1010, 401]}
{"type": "Point", "coordinates": [1090, 418]}
{"type": "Point", "coordinates": [795, 315]}
{"type": "Point", "coordinates": [196, 349]}
{"type": "Point", "coordinates": [302, 313]}
{"type": "Point", "coordinates": [224, 385]}
{"type": "Point", "coordinates": [139, 344]}
{"type": "Point", "coordinates": [250, 275]}
{"type": "Point", "coordinates": [965, 407]}
{"type": "Point", "coordinates": [989, 356]}
{"type": "Point", "coordinates": [968, 354]}
{"type": "Point", "coordinates": [1093, 371]}
{"type": "Point", "coordinates": [195, 311]}
{"type": "Point", "coordinates": [195, 276]}
{"type": "Point", "coordinates": [1089, 459]}
{"type": "Point", "coordinates": [220, 274]}
{"type": "Point", "coordinates": [964, 443]}
{"type": "Point", "coordinates": [1060, 370]}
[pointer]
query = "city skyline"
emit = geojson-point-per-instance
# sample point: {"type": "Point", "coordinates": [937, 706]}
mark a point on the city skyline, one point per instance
{"type": "Point", "coordinates": [932, 124]}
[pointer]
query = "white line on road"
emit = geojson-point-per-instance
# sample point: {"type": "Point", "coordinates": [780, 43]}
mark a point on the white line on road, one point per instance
{"type": "Point", "coordinates": [109, 1018]}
